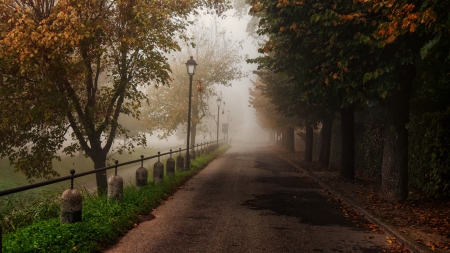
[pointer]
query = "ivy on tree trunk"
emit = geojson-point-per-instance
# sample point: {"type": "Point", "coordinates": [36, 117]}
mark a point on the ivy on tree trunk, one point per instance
{"type": "Point", "coordinates": [308, 142]}
{"type": "Point", "coordinates": [325, 147]}
{"type": "Point", "coordinates": [290, 144]}
{"type": "Point", "coordinates": [394, 172]}
{"type": "Point", "coordinates": [348, 142]}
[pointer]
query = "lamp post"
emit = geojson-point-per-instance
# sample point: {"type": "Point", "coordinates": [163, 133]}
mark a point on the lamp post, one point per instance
{"type": "Point", "coordinates": [228, 123]}
{"type": "Point", "coordinates": [219, 102]}
{"type": "Point", "coordinates": [191, 65]}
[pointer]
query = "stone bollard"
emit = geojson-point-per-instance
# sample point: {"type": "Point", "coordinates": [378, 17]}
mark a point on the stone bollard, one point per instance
{"type": "Point", "coordinates": [141, 175]}
{"type": "Point", "coordinates": [71, 204]}
{"type": "Point", "coordinates": [115, 186]}
{"type": "Point", "coordinates": [158, 171]}
{"type": "Point", "coordinates": [170, 165]}
{"type": "Point", "coordinates": [180, 161]}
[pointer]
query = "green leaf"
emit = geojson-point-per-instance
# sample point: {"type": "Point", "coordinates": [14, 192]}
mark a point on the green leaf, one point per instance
{"type": "Point", "coordinates": [425, 49]}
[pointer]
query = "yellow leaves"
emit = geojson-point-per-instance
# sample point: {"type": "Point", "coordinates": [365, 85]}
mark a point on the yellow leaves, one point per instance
{"type": "Point", "coordinates": [428, 17]}
{"type": "Point", "coordinates": [282, 29]}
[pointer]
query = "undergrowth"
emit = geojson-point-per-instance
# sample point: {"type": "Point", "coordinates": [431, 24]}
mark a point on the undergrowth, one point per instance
{"type": "Point", "coordinates": [103, 221]}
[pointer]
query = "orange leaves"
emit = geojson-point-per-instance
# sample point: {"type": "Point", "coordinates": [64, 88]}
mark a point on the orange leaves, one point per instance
{"type": "Point", "coordinates": [390, 240]}
{"type": "Point", "coordinates": [293, 26]}
{"type": "Point", "coordinates": [350, 17]}
{"type": "Point", "coordinates": [390, 39]}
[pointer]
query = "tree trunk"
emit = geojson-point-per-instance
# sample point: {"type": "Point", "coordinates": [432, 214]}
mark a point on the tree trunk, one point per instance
{"type": "Point", "coordinates": [290, 144]}
{"type": "Point", "coordinates": [308, 142]}
{"type": "Point", "coordinates": [348, 142]}
{"type": "Point", "coordinates": [394, 172]}
{"type": "Point", "coordinates": [325, 147]}
{"type": "Point", "coordinates": [99, 159]}
{"type": "Point", "coordinates": [283, 139]}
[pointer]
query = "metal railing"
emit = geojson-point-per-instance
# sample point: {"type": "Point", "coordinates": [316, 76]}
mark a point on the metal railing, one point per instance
{"type": "Point", "coordinates": [74, 175]}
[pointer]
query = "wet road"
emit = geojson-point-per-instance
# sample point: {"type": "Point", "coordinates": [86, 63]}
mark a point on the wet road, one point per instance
{"type": "Point", "coordinates": [248, 200]}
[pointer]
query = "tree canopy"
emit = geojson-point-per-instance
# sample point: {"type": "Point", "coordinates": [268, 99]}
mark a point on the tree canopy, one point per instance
{"type": "Point", "coordinates": [73, 66]}
{"type": "Point", "coordinates": [346, 55]}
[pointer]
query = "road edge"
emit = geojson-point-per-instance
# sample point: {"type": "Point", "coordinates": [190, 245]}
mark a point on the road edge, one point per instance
{"type": "Point", "coordinates": [410, 244]}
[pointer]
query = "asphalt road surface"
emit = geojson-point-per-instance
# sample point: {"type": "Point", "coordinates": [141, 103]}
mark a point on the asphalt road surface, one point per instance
{"type": "Point", "coordinates": [248, 200]}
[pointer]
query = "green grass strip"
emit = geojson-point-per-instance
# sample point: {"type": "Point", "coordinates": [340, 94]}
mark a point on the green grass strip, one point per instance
{"type": "Point", "coordinates": [104, 222]}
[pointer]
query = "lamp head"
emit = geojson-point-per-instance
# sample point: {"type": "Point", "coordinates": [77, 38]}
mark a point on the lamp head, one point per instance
{"type": "Point", "coordinates": [219, 101]}
{"type": "Point", "coordinates": [191, 65]}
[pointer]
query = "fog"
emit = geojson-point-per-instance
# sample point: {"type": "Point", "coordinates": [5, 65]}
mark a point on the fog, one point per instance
{"type": "Point", "coordinates": [237, 96]}
{"type": "Point", "coordinates": [243, 124]}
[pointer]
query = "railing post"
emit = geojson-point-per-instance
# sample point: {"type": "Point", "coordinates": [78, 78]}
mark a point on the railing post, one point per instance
{"type": "Point", "coordinates": [170, 165]}
{"type": "Point", "coordinates": [71, 204]}
{"type": "Point", "coordinates": [158, 170]}
{"type": "Point", "coordinates": [115, 186]}
{"type": "Point", "coordinates": [180, 161]}
{"type": "Point", "coordinates": [141, 174]}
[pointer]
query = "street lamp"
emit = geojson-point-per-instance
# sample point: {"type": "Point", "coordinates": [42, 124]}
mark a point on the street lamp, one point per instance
{"type": "Point", "coordinates": [191, 65]}
{"type": "Point", "coordinates": [219, 102]}
{"type": "Point", "coordinates": [228, 123]}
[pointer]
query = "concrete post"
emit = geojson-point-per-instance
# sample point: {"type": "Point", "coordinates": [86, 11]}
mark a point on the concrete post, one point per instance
{"type": "Point", "coordinates": [141, 174]}
{"type": "Point", "coordinates": [170, 165]}
{"type": "Point", "coordinates": [158, 171]}
{"type": "Point", "coordinates": [71, 204]}
{"type": "Point", "coordinates": [115, 186]}
{"type": "Point", "coordinates": [180, 161]}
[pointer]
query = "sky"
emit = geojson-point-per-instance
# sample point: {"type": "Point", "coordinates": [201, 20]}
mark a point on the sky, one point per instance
{"type": "Point", "coordinates": [236, 26]}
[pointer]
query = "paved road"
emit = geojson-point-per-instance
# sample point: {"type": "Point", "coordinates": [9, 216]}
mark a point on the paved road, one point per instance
{"type": "Point", "coordinates": [248, 200]}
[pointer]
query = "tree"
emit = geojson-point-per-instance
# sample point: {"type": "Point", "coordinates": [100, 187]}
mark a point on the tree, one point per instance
{"type": "Point", "coordinates": [357, 52]}
{"type": "Point", "coordinates": [269, 114]}
{"type": "Point", "coordinates": [74, 66]}
{"type": "Point", "coordinates": [218, 58]}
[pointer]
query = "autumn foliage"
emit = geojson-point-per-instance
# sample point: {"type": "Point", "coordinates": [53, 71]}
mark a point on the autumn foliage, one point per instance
{"type": "Point", "coordinates": [72, 67]}
{"type": "Point", "coordinates": [347, 56]}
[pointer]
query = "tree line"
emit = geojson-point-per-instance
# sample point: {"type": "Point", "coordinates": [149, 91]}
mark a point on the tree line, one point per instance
{"type": "Point", "coordinates": [324, 60]}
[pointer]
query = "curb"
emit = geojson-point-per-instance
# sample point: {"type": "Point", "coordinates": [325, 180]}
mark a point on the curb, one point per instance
{"type": "Point", "coordinates": [410, 244]}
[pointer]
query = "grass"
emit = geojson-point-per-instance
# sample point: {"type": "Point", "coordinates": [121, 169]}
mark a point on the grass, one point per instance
{"type": "Point", "coordinates": [10, 179]}
{"type": "Point", "coordinates": [103, 221]}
